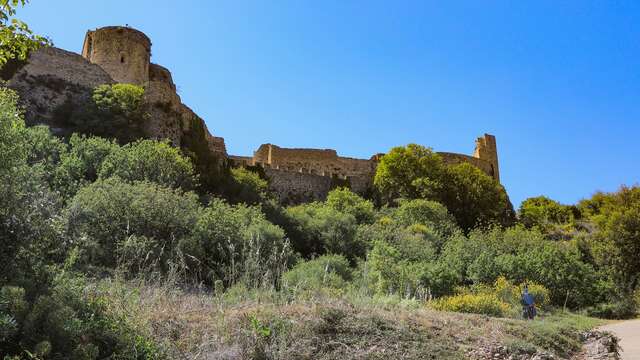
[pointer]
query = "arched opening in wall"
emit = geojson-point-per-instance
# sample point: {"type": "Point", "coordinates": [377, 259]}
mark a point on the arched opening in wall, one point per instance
{"type": "Point", "coordinates": [122, 59]}
{"type": "Point", "coordinates": [493, 172]}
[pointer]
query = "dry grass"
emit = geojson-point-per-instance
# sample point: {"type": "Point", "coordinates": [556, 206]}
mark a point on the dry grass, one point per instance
{"type": "Point", "coordinates": [195, 324]}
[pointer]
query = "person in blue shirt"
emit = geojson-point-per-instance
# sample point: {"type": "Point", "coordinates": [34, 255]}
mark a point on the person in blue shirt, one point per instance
{"type": "Point", "coordinates": [528, 304]}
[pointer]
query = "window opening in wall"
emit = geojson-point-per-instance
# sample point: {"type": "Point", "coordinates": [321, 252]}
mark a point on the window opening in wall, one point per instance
{"type": "Point", "coordinates": [122, 59]}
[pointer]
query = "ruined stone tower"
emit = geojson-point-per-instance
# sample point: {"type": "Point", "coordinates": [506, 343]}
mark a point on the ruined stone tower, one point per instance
{"type": "Point", "coordinates": [124, 53]}
{"type": "Point", "coordinates": [487, 150]}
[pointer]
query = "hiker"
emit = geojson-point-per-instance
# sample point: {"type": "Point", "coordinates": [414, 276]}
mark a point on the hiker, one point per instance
{"type": "Point", "coordinates": [528, 304]}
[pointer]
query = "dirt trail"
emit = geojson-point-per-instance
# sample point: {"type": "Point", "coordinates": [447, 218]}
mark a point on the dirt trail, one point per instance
{"type": "Point", "coordinates": [629, 334]}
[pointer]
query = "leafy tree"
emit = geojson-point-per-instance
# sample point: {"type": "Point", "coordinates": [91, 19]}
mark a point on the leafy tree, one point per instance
{"type": "Point", "coordinates": [16, 39]}
{"type": "Point", "coordinates": [345, 201]}
{"type": "Point", "coordinates": [115, 111]}
{"type": "Point", "coordinates": [474, 198]}
{"type": "Point", "coordinates": [471, 196]}
{"type": "Point", "coordinates": [122, 99]}
{"type": "Point", "coordinates": [327, 271]}
{"type": "Point", "coordinates": [618, 238]}
{"type": "Point", "coordinates": [150, 160]}
{"type": "Point", "coordinates": [27, 206]}
{"type": "Point", "coordinates": [409, 172]}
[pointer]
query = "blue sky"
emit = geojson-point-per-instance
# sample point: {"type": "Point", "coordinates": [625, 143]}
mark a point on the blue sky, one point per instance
{"type": "Point", "coordinates": [557, 82]}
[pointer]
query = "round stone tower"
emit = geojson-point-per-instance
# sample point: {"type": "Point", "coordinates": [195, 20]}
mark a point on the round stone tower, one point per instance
{"type": "Point", "coordinates": [124, 53]}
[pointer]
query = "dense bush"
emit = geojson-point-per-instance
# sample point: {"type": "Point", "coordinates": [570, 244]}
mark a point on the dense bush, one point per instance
{"type": "Point", "coordinates": [328, 271]}
{"type": "Point", "coordinates": [523, 255]}
{"type": "Point", "coordinates": [233, 243]}
{"type": "Point", "coordinates": [324, 230]}
{"type": "Point", "coordinates": [541, 211]}
{"type": "Point", "coordinates": [248, 187]}
{"type": "Point", "coordinates": [79, 166]}
{"type": "Point", "coordinates": [68, 322]}
{"type": "Point", "coordinates": [106, 213]}
{"type": "Point", "coordinates": [118, 98]}
{"type": "Point", "coordinates": [347, 202]}
{"type": "Point", "coordinates": [150, 160]}
{"type": "Point", "coordinates": [46, 312]}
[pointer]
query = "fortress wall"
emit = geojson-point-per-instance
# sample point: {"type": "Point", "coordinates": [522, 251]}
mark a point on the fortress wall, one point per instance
{"type": "Point", "coordinates": [296, 188]}
{"type": "Point", "coordinates": [52, 79]}
{"type": "Point", "coordinates": [161, 74]}
{"type": "Point", "coordinates": [216, 144]}
{"type": "Point", "coordinates": [325, 162]}
{"type": "Point", "coordinates": [361, 184]}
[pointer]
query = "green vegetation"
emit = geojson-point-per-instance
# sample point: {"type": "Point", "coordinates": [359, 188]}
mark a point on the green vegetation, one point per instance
{"type": "Point", "coordinates": [118, 98]}
{"type": "Point", "coordinates": [87, 219]}
{"type": "Point", "coordinates": [471, 196]}
{"type": "Point", "coordinates": [136, 250]}
{"type": "Point", "coordinates": [147, 160]}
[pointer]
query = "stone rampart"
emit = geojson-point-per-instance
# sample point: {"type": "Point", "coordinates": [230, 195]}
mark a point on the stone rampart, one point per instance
{"type": "Point", "coordinates": [295, 172]}
{"type": "Point", "coordinates": [293, 188]}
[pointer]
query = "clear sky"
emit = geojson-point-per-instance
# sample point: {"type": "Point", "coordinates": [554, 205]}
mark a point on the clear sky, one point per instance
{"type": "Point", "coordinates": [557, 82]}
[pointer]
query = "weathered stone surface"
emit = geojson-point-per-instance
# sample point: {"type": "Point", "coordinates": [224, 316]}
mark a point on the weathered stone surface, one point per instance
{"type": "Point", "coordinates": [295, 187]}
{"type": "Point", "coordinates": [123, 52]}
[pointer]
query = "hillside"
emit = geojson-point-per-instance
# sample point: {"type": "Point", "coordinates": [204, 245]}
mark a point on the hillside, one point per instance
{"type": "Point", "coordinates": [127, 233]}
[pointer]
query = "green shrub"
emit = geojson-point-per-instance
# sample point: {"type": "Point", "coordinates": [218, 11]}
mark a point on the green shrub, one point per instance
{"type": "Point", "coordinates": [104, 214]}
{"type": "Point", "coordinates": [118, 98]}
{"type": "Point", "coordinates": [324, 230]}
{"type": "Point", "coordinates": [150, 160]}
{"type": "Point", "coordinates": [487, 304]}
{"type": "Point", "coordinates": [236, 243]}
{"type": "Point", "coordinates": [75, 323]}
{"type": "Point", "coordinates": [620, 309]}
{"type": "Point", "coordinates": [347, 202]}
{"type": "Point", "coordinates": [541, 211]}
{"type": "Point", "coordinates": [328, 271]}
{"type": "Point", "coordinates": [429, 213]}
{"type": "Point", "coordinates": [79, 166]}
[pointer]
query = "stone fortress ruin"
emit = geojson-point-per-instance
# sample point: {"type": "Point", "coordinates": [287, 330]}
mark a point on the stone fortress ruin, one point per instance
{"type": "Point", "coordinates": [301, 175]}
{"type": "Point", "coordinates": [53, 78]}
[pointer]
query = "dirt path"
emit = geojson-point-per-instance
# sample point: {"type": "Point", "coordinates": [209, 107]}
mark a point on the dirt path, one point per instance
{"type": "Point", "coordinates": [629, 334]}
